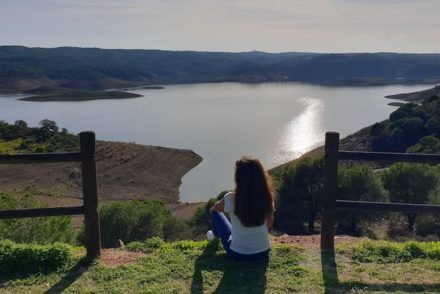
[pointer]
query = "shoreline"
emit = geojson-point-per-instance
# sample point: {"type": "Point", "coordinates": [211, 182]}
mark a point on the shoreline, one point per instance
{"type": "Point", "coordinates": [46, 91]}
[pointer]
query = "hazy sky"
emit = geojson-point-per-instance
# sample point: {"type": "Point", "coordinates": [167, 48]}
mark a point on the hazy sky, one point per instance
{"type": "Point", "coordinates": [225, 25]}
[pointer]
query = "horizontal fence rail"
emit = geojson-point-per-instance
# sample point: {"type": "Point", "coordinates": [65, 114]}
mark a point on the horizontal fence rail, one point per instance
{"type": "Point", "coordinates": [384, 156]}
{"type": "Point", "coordinates": [40, 158]}
{"type": "Point", "coordinates": [41, 212]}
{"type": "Point", "coordinates": [386, 206]}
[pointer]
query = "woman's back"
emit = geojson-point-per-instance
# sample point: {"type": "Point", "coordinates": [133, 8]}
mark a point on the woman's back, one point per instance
{"type": "Point", "coordinates": [251, 210]}
{"type": "Point", "coordinates": [245, 240]}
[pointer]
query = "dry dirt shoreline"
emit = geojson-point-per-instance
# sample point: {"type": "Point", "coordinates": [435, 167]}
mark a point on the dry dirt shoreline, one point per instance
{"type": "Point", "coordinates": [125, 171]}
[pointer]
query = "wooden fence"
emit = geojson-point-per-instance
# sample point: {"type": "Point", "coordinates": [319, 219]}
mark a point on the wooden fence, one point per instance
{"type": "Point", "coordinates": [330, 204]}
{"type": "Point", "coordinates": [90, 192]}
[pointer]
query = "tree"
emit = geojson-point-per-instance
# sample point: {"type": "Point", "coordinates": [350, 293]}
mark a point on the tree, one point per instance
{"type": "Point", "coordinates": [289, 207]}
{"type": "Point", "coordinates": [410, 183]}
{"type": "Point", "coordinates": [358, 183]}
{"type": "Point", "coordinates": [299, 196]}
{"type": "Point", "coordinates": [22, 128]}
{"type": "Point", "coordinates": [405, 111]}
{"type": "Point", "coordinates": [48, 125]}
{"type": "Point", "coordinates": [427, 145]}
{"type": "Point", "coordinates": [308, 185]}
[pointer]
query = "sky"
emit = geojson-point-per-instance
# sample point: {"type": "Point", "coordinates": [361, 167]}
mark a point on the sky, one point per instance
{"type": "Point", "coordinates": [225, 25]}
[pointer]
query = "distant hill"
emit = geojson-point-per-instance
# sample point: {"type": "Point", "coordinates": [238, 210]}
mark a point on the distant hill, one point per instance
{"type": "Point", "coordinates": [416, 96]}
{"type": "Point", "coordinates": [23, 69]}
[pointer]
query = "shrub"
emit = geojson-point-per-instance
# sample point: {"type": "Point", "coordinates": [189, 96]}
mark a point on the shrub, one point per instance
{"type": "Point", "coordinates": [136, 221]}
{"type": "Point", "coordinates": [32, 258]}
{"type": "Point", "coordinates": [200, 222]}
{"type": "Point", "coordinates": [33, 230]}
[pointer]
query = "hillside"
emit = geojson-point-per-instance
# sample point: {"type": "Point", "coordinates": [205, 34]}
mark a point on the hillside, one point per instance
{"type": "Point", "coordinates": [201, 267]}
{"type": "Point", "coordinates": [124, 170]}
{"type": "Point", "coordinates": [23, 69]}
{"type": "Point", "coordinates": [416, 96]}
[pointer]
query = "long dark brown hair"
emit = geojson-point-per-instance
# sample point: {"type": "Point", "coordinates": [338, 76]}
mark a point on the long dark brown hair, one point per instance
{"type": "Point", "coordinates": [254, 192]}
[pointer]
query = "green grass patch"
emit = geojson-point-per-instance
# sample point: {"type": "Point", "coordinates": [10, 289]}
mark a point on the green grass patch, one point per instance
{"type": "Point", "coordinates": [204, 267]}
{"type": "Point", "coordinates": [10, 147]}
{"type": "Point", "coordinates": [388, 252]}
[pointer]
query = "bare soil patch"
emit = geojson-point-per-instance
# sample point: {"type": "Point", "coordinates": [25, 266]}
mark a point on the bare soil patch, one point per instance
{"type": "Point", "coordinates": [114, 257]}
{"type": "Point", "coordinates": [313, 241]}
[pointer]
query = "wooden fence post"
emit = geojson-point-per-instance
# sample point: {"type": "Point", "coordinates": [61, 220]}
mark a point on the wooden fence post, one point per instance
{"type": "Point", "coordinates": [90, 194]}
{"type": "Point", "coordinates": [330, 186]}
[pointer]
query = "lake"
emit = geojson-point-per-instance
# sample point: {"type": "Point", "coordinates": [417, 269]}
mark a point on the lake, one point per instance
{"type": "Point", "coordinates": [276, 122]}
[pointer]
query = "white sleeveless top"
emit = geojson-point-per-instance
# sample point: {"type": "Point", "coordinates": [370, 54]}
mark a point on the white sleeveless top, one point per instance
{"type": "Point", "coordinates": [245, 240]}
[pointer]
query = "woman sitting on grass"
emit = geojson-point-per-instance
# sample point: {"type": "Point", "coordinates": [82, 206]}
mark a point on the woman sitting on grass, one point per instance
{"type": "Point", "coordinates": [251, 210]}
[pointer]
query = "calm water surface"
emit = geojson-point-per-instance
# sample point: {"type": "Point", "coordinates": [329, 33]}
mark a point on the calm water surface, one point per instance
{"type": "Point", "coordinates": [275, 122]}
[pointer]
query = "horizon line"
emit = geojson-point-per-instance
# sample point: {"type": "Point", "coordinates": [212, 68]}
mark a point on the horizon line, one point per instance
{"type": "Point", "coordinates": [219, 51]}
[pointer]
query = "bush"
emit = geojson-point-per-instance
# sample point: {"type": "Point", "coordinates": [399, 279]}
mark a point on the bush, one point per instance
{"type": "Point", "coordinates": [136, 221]}
{"type": "Point", "coordinates": [200, 222]}
{"type": "Point", "coordinates": [42, 230]}
{"type": "Point", "coordinates": [32, 258]}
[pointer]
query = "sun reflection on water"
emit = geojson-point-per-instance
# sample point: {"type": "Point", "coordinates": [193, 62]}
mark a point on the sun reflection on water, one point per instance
{"type": "Point", "coordinates": [304, 132]}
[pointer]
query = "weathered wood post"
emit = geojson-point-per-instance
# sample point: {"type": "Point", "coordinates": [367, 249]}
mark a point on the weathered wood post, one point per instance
{"type": "Point", "coordinates": [330, 186]}
{"type": "Point", "coordinates": [90, 194]}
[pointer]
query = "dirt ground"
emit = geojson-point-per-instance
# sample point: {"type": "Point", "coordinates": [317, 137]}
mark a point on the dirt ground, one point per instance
{"type": "Point", "coordinates": [312, 241]}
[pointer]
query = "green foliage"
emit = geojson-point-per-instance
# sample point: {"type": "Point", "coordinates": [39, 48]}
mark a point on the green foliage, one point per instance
{"type": "Point", "coordinates": [428, 225]}
{"type": "Point", "coordinates": [86, 67]}
{"type": "Point", "coordinates": [24, 259]}
{"type": "Point", "coordinates": [407, 126]}
{"type": "Point", "coordinates": [203, 267]}
{"type": "Point", "coordinates": [405, 111]}
{"type": "Point", "coordinates": [426, 145]}
{"type": "Point", "coordinates": [46, 138]}
{"type": "Point", "coordinates": [146, 246]}
{"type": "Point", "coordinates": [410, 183]}
{"type": "Point", "coordinates": [200, 221]}
{"type": "Point", "coordinates": [358, 183]}
{"type": "Point", "coordinates": [299, 194]}
{"type": "Point", "coordinates": [135, 221]}
{"type": "Point", "coordinates": [390, 252]}
{"type": "Point", "coordinates": [43, 230]}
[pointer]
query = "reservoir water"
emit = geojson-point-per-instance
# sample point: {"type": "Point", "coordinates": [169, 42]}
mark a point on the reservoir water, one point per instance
{"type": "Point", "coordinates": [276, 122]}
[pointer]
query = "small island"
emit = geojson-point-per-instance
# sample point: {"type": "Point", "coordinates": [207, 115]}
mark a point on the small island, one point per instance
{"type": "Point", "coordinates": [80, 95]}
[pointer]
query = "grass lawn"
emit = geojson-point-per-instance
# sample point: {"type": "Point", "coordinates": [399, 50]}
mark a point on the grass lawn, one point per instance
{"type": "Point", "coordinates": [201, 267]}
{"type": "Point", "coordinates": [11, 146]}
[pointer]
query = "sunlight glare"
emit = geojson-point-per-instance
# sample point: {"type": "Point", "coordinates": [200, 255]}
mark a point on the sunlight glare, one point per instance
{"type": "Point", "coordinates": [304, 132]}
